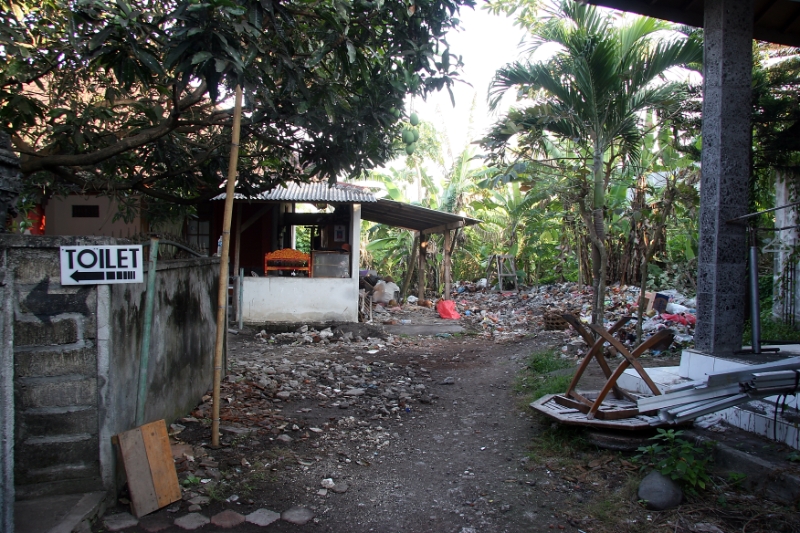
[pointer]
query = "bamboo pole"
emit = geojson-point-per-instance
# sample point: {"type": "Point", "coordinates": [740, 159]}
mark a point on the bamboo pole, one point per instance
{"type": "Point", "coordinates": [222, 300]}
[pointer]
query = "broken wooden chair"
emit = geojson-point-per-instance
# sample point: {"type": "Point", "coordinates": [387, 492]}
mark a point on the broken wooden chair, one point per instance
{"type": "Point", "coordinates": [592, 407]}
{"type": "Point", "coordinates": [660, 340]}
{"type": "Point", "coordinates": [595, 351]}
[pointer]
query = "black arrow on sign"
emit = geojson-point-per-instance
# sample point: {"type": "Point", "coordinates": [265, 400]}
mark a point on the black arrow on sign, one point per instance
{"type": "Point", "coordinates": [88, 276]}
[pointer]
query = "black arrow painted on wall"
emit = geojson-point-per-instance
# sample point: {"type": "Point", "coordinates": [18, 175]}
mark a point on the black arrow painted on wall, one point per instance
{"type": "Point", "coordinates": [41, 302]}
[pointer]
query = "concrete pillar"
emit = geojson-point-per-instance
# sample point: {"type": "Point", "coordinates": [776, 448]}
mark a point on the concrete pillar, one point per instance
{"type": "Point", "coordinates": [722, 282]}
{"type": "Point", "coordinates": [7, 493]}
{"type": "Point", "coordinates": [9, 192]}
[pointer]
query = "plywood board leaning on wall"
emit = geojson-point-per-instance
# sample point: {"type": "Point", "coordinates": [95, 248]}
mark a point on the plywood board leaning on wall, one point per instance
{"type": "Point", "coordinates": [147, 458]}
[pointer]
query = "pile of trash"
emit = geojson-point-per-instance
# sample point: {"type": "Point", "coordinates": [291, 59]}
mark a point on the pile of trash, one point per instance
{"type": "Point", "coordinates": [514, 313]}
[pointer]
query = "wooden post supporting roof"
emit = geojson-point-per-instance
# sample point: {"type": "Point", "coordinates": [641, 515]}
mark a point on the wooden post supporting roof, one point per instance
{"type": "Point", "coordinates": [423, 243]}
{"type": "Point", "coordinates": [448, 284]}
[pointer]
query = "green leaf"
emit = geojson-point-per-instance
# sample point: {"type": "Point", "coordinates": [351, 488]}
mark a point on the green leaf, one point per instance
{"type": "Point", "coordinates": [199, 57]}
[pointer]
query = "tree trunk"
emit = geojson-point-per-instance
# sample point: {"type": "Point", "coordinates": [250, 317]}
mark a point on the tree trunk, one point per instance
{"type": "Point", "coordinates": [597, 232]}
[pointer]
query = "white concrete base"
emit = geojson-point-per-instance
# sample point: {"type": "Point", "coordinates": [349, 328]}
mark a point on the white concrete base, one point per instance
{"type": "Point", "coordinates": [665, 378]}
{"type": "Point", "coordinates": [756, 417]}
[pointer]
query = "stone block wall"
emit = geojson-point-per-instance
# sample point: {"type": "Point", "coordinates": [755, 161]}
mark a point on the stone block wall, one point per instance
{"type": "Point", "coordinates": [55, 373]}
{"type": "Point", "coordinates": [76, 353]}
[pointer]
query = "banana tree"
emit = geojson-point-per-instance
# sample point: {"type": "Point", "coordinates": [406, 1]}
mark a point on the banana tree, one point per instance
{"type": "Point", "coordinates": [592, 91]}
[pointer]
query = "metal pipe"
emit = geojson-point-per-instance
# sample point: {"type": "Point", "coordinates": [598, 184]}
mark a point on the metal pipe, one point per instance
{"type": "Point", "coordinates": [755, 316]}
{"type": "Point", "coordinates": [179, 246]}
{"type": "Point", "coordinates": [144, 359]}
{"type": "Point", "coordinates": [770, 210]}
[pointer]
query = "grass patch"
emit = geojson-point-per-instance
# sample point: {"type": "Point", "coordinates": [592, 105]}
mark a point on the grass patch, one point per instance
{"type": "Point", "coordinates": [771, 330]}
{"type": "Point", "coordinates": [541, 376]}
{"type": "Point", "coordinates": [565, 444]}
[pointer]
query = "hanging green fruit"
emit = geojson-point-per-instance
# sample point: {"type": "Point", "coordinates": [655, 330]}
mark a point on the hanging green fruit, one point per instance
{"type": "Point", "coordinates": [410, 148]}
{"type": "Point", "coordinates": [416, 135]}
{"type": "Point", "coordinates": [414, 119]}
{"type": "Point", "coordinates": [408, 135]}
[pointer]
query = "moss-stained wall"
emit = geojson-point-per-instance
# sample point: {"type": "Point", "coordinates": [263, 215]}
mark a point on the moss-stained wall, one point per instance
{"type": "Point", "coordinates": [181, 341]}
{"type": "Point", "coordinates": [76, 353]}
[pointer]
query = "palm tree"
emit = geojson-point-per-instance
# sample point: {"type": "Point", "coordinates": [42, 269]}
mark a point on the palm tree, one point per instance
{"type": "Point", "coordinates": [594, 91]}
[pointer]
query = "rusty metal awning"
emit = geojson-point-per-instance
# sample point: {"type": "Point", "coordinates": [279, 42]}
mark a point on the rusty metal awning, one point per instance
{"type": "Point", "coordinates": [413, 217]}
{"type": "Point", "coordinates": [775, 21]}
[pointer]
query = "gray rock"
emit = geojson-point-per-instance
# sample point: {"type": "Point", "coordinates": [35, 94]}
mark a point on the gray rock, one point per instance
{"type": "Point", "coordinates": [297, 515]}
{"type": "Point", "coordinates": [263, 517]}
{"type": "Point", "coordinates": [192, 521]}
{"type": "Point", "coordinates": [340, 488]}
{"type": "Point", "coordinates": [118, 522]}
{"type": "Point", "coordinates": [284, 438]}
{"type": "Point", "coordinates": [200, 500]}
{"type": "Point", "coordinates": [449, 380]}
{"type": "Point", "coordinates": [660, 492]}
{"type": "Point", "coordinates": [283, 395]}
{"type": "Point", "coordinates": [353, 392]}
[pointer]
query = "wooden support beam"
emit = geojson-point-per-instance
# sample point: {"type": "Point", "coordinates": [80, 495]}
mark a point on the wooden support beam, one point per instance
{"type": "Point", "coordinates": [412, 264]}
{"type": "Point", "coordinates": [455, 238]}
{"type": "Point", "coordinates": [238, 241]}
{"type": "Point", "coordinates": [308, 219]}
{"type": "Point", "coordinates": [261, 212]}
{"type": "Point", "coordinates": [448, 282]}
{"type": "Point", "coordinates": [443, 228]}
{"type": "Point", "coordinates": [421, 267]}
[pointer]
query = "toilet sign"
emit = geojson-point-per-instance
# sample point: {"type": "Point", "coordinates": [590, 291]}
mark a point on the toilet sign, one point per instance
{"type": "Point", "coordinates": [100, 265]}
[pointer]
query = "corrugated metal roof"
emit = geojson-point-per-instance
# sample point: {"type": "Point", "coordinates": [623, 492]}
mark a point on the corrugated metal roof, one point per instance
{"type": "Point", "coordinates": [341, 193]}
{"type": "Point", "coordinates": [412, 217]}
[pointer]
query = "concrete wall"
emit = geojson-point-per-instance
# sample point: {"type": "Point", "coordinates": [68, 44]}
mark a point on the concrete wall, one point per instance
{"type": "Point", "coordinates": [59, 219]}
{"type": "Point", "coordinates": [181, 345]}
{"type": "Point", "coordinates": [287, 299]}
{"type": "Point", "coordinates": [76, 353]}
{"type": "Point", "coordinates": [6, 398]}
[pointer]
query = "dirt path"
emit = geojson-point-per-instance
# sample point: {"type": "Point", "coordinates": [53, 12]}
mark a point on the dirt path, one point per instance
{"type": "Point", "coordinates": [452, 458]}
{"type": "Point", "coordinates": [413, 435]}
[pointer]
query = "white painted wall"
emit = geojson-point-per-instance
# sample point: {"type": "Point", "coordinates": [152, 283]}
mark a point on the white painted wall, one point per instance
{"type": "Point", "coordinates": [288, 299]}
{"type": "Point", "coordinates": [299, 299]}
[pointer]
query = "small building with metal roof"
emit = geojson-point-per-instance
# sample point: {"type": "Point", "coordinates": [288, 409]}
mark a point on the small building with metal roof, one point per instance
{"type": "Point", "coordinates": [326, 288]}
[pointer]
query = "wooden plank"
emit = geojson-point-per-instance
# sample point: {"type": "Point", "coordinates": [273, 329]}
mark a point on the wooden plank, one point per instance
{"type": "Point", "coordinates": [137, 469]}
{"type": "Point", "coordinates": [547, 405]}
{"type": "Point", "coordinates": [162, 467]}
{"type": "Point", "coordinates": [443, 228]}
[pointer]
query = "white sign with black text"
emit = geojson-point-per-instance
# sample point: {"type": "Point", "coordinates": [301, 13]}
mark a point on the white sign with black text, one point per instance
{"type": "Point", "coordinates": [101, 265]}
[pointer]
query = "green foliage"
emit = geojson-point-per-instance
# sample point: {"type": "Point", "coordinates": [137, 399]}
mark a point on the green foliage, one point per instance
{"type": "Point", "coordinates": [591, 99]}
{"type": "Point", "coordinates": [191, 481]}
{"type": "Point", "coordinates": [678, 459]}
{"type": "Point", "coordinates": [132, 98]}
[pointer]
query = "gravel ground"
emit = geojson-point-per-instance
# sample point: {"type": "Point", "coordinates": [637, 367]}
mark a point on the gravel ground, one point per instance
{"type": "Point", "coordinates": [402, 434]}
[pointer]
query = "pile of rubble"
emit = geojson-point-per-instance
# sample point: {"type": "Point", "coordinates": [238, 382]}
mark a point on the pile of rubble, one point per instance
{"type": "Point", "coordinates": [509, 313]}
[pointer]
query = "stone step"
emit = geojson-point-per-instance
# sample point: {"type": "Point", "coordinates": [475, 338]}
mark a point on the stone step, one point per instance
{"type": "Point", "coordinates": [58, 514]}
